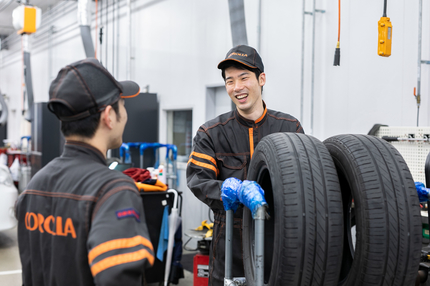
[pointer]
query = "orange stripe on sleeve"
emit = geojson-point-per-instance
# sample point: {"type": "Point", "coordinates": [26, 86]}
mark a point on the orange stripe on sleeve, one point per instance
{"type": "Point", "coordinates": [121, 259]}
{"type": "Point", "coordinates": [204, 165]}
{"type": "Point", "coordinates": [251, 141]}
{"type": "Point", "coordinates": [204, 156]}
{"type": "Point", "coordinates": [117, 244]}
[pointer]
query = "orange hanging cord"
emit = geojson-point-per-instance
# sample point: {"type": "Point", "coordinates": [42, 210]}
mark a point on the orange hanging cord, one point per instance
{"type": "Point", "coordinates": [338, 30]}
{"type": "Point", "coordinates": [95, 38]}
{"type": "Point", "coordinates": [337, 51]}
{"type": "Point", "coordinates": [22, 74]}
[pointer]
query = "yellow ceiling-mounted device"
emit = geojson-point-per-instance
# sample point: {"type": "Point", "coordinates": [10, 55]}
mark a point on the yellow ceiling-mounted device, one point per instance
{"type": "Point", "coordinates": [385, 31]}
{"type": "Point", "coordinates": [26, 19]}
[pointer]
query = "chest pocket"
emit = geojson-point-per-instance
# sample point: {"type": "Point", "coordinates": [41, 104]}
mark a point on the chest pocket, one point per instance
{"type": "Point", "coordinates": [232, 166]}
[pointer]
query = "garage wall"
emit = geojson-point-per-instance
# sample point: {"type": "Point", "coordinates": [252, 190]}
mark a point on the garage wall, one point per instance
{"type": "Point", "coordinates": [369, 89]}
{"type": "Point", "coordinates": [177, 45]}
{"type": "Point", "coordinates": [366, 89]}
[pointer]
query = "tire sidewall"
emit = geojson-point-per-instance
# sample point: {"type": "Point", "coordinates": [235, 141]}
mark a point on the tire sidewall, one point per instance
{"type": "Point", "coordinates": [343, 167]}
{"type": "Point", "coordinates": [258, 164]}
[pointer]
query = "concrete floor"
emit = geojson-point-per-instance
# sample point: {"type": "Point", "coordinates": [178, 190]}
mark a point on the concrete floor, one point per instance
{"type": "Point", "coordinates": [10, 264]}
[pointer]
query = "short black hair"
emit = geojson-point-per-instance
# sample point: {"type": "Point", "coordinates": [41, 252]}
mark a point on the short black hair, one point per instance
{"type": "Point", "coordinates": [240, 66]}
{"type": "Point", "coordinates": [85, 127]}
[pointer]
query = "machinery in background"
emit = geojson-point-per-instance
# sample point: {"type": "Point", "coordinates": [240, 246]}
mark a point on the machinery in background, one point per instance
{"type": "Point", "coordinates": [142, 126]}
{"type": "Point", "coordinates": [3, 118]}
{"type": "Point", "coordinates": [412, 143]}
{"type": "Point", "coordinates": [26, 19]}
{"type": "Point", "coordinates": [47, 140]}
{"type": "Point", "coordinates": [424, 269]}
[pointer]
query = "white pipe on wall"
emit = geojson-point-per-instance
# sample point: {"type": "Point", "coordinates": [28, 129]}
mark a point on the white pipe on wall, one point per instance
{"type": "Point", "coordinates": [420, 28]}
{"type": "Point", "coordinates": [259, 27]}
{"type": "Point", "coordinates": [313, 68]}
{"type": "Point", "coordinates": [302, 79]}
{"type": "Point", "coordinates": [84, 15]}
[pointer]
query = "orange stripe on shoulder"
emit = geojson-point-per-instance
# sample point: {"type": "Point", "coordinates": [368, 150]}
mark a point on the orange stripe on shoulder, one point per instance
{"type": "Point", "coordinates": [121, 259]}
{"type": "Point", "coordinates": [117, 244]}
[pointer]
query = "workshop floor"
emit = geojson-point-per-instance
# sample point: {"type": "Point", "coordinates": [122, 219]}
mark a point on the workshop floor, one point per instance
{"type": "Point", "coordinates": [10, 265]}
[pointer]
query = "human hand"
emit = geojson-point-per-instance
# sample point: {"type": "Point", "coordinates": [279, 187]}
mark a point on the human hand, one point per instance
{"type": "Point", "coordinates": [252, 195]}
{"type": "Point", "coordinates": [229, 191]}
{"type": "Point", "coordinates": [423, 192]}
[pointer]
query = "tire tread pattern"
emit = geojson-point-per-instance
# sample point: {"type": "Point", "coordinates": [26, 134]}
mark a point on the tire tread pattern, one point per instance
{"type": "Point", "coordinates": [387, 211]}
{"type": "Point", "coordinates": [309, 210]}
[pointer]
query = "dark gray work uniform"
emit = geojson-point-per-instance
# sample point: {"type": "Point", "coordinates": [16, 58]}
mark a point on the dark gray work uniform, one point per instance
{"type": "Point", "coordinates": [223, 148]}
{"type": "Point", "coordinates": [80, 223]}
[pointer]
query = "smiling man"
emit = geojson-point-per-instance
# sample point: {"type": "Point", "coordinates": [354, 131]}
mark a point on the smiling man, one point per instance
{"type": "Point", "coordinates": [223, 149]}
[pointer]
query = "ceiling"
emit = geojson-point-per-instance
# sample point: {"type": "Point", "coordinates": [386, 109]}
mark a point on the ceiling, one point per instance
{"type": "Point", "coordinates": [7, 6]}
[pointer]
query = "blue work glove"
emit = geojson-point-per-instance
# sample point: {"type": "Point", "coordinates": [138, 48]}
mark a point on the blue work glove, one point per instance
{"type": "Point", "coordinates": [423, 192]}
{"type": "Point", "coordinates": [229, 191]}
{"type": "Point", "coordinates": [252, 196]}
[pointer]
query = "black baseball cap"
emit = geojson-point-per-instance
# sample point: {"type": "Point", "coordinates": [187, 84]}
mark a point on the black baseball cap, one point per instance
{"type": "Point", "coordinates": [85, 88]}
{"type": "Point", "coordinates": [245, 55]}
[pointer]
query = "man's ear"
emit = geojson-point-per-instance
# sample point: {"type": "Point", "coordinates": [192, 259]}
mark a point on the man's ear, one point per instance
{"type": "Point", "coordinates": [106, 116]}
{"type": "Point", "coordinates": [262, 79]}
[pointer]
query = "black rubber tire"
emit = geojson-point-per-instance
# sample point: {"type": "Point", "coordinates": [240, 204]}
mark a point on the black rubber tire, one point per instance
{"type": "Point", "coordinates": [387, 214]}
{"type": "Point", "coordinates": [303, 238]}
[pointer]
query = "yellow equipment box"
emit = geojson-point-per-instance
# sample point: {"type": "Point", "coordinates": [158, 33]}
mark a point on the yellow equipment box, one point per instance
{"type": "Point", "coordinates": [385, 30]}
{"type": "Point", "coordinates": [26, 19]}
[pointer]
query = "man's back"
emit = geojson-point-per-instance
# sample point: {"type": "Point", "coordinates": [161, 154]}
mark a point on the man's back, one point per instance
{"type": "Point", "coordinates": [82, 220]}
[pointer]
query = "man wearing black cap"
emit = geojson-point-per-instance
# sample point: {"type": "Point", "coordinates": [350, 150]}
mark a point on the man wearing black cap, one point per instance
{"type": "Point", "coordinates": [223, 149]}
{"type": "Point", "coordinates": [80, 223]}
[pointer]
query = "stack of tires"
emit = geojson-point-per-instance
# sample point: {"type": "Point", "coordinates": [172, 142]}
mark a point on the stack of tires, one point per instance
{"type": "Point", "coordinates": [343, 212]}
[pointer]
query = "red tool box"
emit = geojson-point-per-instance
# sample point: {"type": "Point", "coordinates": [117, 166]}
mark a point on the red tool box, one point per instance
{"type": "Point", "coordinates": [201, 270]}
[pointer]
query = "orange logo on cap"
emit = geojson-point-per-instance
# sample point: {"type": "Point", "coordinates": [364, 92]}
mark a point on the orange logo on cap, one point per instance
{"type": "Point", "coordinates": [238, 54]}
{"type": "Point", "coordinates": [37, 221]}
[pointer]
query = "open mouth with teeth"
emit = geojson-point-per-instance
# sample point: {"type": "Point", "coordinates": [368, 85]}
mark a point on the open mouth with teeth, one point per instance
{"type": "Point", "coordinates": [242, 97]}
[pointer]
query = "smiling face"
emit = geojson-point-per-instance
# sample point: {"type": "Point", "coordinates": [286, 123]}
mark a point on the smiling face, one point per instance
{"type": "Point", "coordinates": [244, 89]}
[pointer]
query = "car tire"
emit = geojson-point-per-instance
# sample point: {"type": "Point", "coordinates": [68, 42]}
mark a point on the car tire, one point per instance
{"type": "Point", "coordinates": [378, 189]}
{"type": "Point", "coordinates": [303, 238]}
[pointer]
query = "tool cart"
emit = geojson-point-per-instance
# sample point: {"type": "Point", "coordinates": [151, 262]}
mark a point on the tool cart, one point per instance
{"type": "Point", "coordinates": [162, 212]}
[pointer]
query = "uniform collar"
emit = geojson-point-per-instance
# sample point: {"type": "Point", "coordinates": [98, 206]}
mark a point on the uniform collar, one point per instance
{"type": "Point", "coordinates": [251, 123]}
{"type": "Point", "coordinates": [81, 149]}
